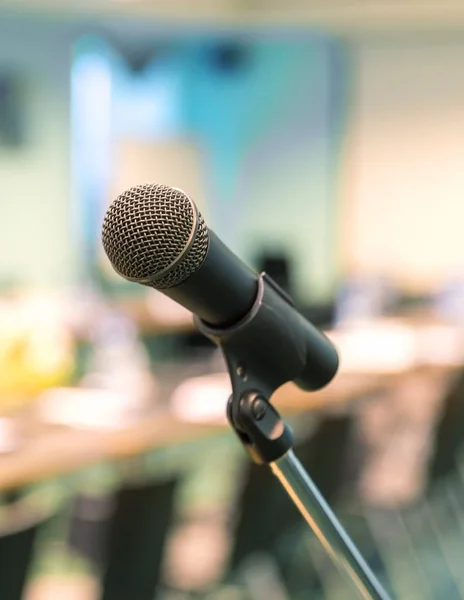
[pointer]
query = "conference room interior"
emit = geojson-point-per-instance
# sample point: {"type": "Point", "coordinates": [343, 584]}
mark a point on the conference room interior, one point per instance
{"type": "Point", "coordinates": [323, 145]}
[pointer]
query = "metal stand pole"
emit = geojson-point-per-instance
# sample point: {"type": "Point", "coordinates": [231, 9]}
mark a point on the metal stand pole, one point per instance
{"type": "Point", "coordinates": [269, 440]}
{"type": "Point", "coordinates": [326, 526]}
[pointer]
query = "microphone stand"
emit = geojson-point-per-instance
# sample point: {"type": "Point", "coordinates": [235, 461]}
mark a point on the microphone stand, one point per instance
{"type": "Point", "coordinates": [269, 441]}
{"type": "Point", "coordinates": [265, 436]}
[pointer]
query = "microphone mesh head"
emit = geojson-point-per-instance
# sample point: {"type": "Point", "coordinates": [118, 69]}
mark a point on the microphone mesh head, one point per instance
{"type": "Point", "coordinates": [147, 228]}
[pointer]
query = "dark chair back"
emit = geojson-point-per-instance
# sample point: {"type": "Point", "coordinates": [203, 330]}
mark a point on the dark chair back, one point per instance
{"type": "Point", "coordinates": [89, 528]}
{"type": "Point", "coordinates": [279, 267]}
{"type": "Point", "coordinates": [136, 541]}
{"type": "Point", "coordinates": [449, 435]}
{"type": "Point", "coordinates": [16, 553]}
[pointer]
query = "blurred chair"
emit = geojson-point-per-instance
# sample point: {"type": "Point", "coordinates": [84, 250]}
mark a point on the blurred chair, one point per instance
{"type": "Point", "coordinates": [124, 537]}
{"type": "Point", "coordinates": [89, 528]}
{"type": "Point", "coordinates": [449, 435]}
{"type": "Point", "coordinates": [421, 542]}
{"type": "Point", "coordinates": [441, 513]}
{"type": "Point", "coordinates": [279, 267]}
{"type": "Point", "coordinates": [21, 524]}
{"type": "Point", "coordinates": [16, 553]}
{"type": "Point", "coordinates": [136, 541]}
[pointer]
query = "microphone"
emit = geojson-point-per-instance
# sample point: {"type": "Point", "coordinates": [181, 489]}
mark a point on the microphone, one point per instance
{"type": "Point", "coordinates": [154, 235]}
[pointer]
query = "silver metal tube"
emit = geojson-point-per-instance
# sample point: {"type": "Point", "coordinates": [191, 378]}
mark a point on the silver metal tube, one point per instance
{"type": "Point", "coordinates": [326, 526]}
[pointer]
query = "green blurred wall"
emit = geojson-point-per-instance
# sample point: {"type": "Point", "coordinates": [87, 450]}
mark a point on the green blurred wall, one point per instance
{"type": "Point", "coordinates": [35, 200]}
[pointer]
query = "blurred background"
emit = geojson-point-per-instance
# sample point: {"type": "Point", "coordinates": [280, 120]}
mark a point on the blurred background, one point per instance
{"type": "Point", "coordinates": [324, 143]}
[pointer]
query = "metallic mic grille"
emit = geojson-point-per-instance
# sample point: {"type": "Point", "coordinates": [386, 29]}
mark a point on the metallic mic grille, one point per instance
{"type": "Point", "coordinates": [191, 262]}
{"type": "Point", "coordinates": [147, 228]}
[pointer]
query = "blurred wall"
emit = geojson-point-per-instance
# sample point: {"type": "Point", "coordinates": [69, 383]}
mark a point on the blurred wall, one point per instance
{"type": "Point", "coordinates": [291, 173]}
{"type": "Point", "coordinates": [264, 137]}
{"type": "Point", "coordinates": [269, 139]}
{"type": "Point", "coordinates": [404, 172]}
{"type": "Point", "coordinates": [262, 131]}
{"type": "Point", "coordinates": [35, 177]}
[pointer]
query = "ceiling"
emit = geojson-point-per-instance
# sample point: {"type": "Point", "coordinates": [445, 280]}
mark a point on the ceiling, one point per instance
{"type": "Point", "coordinates": [339, 15]}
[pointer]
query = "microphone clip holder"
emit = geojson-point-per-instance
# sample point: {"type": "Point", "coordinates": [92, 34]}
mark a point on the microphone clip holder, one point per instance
{"type": "Point", "coordinates": [272, 322]}
{"type": "Point", "coordinates": [254, 378]}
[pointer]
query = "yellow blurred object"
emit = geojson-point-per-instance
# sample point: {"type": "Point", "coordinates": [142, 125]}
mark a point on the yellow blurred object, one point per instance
{"type": "Point", "coordinates": [36, 350]}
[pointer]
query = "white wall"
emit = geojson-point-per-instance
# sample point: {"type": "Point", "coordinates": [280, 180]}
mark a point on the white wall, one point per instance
{"type": "Point", "coordinates": [36, 239]}
{"type": "Point", "coordinates": [285, 187]}
{"type": "Point", "coordinates": [268, 141]}
{"type": "Point", "coordinates": [287, 193]}
{"type": "Point", "coordinates": [403, 194]}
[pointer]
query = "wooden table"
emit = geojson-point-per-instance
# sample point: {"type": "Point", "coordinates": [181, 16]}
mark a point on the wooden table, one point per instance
{"type": "Point", "coordinates": [58, 450]}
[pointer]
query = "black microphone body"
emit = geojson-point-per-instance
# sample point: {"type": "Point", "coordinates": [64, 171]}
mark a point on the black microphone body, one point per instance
{"type": "Point", "coordinates": [154, 235]}
{"type": "Point", "coordinates": [223, 289]}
